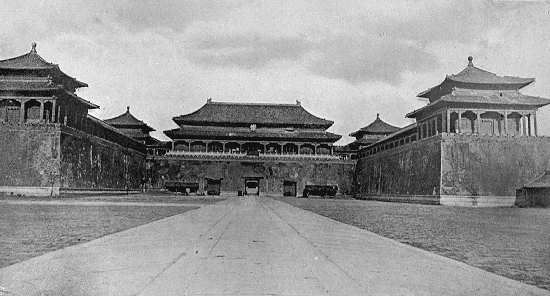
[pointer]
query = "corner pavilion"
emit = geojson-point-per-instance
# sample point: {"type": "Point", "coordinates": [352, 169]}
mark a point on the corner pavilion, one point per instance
{"type": "Point", "coordinates": [474, 144]}
{"type": "Point", "coordinates": [476, 101]}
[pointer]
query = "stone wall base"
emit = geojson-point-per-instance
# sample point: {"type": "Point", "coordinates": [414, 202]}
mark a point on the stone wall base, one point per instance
{"type": "Point", "coordinates": [103, 191]}
{"type": "Point", "coordinates": [446, 200]}
{"type": "Point", "coordinates": [419, 199]}
{"type": "Point", "coordinates": [477, 201]}
{"type": "Point", "coordinates": [29, 191]}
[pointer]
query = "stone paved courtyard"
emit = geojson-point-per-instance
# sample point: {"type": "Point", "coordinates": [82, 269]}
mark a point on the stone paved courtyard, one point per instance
{"type": "Point", "coordinates": [32, 228]}
{"type": "Point", "coordinates": [250, 246]}
{"type": "Point", "coordinates": [513, 242]}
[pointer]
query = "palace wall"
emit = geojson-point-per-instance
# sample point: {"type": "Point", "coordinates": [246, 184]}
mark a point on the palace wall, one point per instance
{"type": "Point", "coordinates": [453, 169]}
{"type": "Point", "coordinates": [29, 159]}
{"type": "Point", "coordinates": [48, 159]}
{"type": "Point", "coordinates": [490, 166]}
{"type": "Point", "coordinates": [233, 172]}
{"type": "Point", "coordinates": [92, 163]}
{"type": "Point", "coordinates": [408, 173]}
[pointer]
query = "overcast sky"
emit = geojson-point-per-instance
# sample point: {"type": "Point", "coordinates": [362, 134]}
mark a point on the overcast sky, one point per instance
{"type": "Point", "coordinates": [344, 60]}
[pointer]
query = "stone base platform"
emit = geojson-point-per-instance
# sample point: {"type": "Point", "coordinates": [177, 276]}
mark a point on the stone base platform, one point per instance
{"type": "Point", "coordinates": [477, 201]}
{"type": "Point", "coordinates": [29, 191]}
{"type": "Point", "coordinates": [446, 200]}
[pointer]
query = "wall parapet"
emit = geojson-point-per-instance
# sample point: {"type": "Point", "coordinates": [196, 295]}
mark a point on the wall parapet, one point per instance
{"type": "Point", "coordinates": [259, 157]}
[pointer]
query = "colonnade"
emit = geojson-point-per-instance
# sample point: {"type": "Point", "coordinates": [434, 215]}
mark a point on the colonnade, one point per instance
{"type": "Point", "coordinates": [482, 122]}
{"type": "Point", "coordinates": [29, 109]}
{"type": "Point", "coordinates": [244, 147]}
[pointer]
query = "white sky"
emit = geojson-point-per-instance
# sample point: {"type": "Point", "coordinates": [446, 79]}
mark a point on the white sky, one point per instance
{"type": "Point", "coordinates": [345, 60]}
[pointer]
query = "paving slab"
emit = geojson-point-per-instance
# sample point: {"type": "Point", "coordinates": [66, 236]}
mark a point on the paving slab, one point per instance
{"type": "Point", "coordinates": [250, 246]}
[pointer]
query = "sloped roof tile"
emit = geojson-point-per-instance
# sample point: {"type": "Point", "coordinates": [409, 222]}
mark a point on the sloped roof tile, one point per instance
{"type": "Point", "coordinates": [476, 77]}
{"type": "Point", "coordinates": [33, 61]}
{"type": "Point", "coordinates": [128, 120]}
{"type": "Point", "coordinates": [378, 126]}
{"type": "Point", "coordinates": [252, 113]}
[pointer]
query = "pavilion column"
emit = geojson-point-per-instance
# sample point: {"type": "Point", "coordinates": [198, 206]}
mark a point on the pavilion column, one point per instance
{"type": "Point", "coordinates": [448, 121]}
{"type": "Point", "coordinates": [428, 129]}
{"type": "Point", "coordinates": [41, 110]}
{"type": "Point", "coordinates": [299, 146]}
{"type": "Point", "coordinates": [315, 149]}
{"type": "Point", "coordinates": [523, 123]}
{"type": "Point", "coordinates": [223, 147]}
{"type": "Point", "coordinates": [189, 145]}
{"type": "Point", "coordinates": [529, 122]}
{"type": "Point", "coordinates": [442, 126]}
{"type": "Point", "coordinates": [206, 146]}
{"type": "Point", "coordinates": [478, 122]}
{"type": "Point", "coordinates": [173, 146]}
{"type": "Point", "coordinates": [505, 123]}
{"type": "Point", "coordinates": [520, 123]}
{"type": "Point", "coordinates": [535, 123]}
{"type": "Point", "coordinates": [22, 112]}
{"type": "Point", "coordinates": [459, 125]}
{"type": "Point", "coordinates": [54, 111]}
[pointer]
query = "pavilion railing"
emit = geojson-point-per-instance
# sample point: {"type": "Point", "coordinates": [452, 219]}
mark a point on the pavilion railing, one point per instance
{"type": "Point", "coordinates": [241, 155]}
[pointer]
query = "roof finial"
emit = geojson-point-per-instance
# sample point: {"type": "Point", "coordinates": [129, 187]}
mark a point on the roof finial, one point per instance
{"type": "Point", "coordinates": [377, 115]}
{"type": "Point", "coordinates": [470, 59]}
{"type": "Point", "coordinates": [33, 47]}
{"type": "Point", "coordinates": [298, 103]}
{"type": "Point", "coordinates": [127, 109]}
{"type": "Point", "coordinates": [209, 100]}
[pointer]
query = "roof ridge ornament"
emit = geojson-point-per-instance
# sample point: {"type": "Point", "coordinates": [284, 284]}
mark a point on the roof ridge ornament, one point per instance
{"type": "Point", "coordinates": [377, 115]}
{"type": "Point", "coordinates": [33, 47]}
{"type": "Point", "coordinates": [470, 61]}
{"type": "Point", "coordinates": [209, 100]}
{"type": "Point", "coordinates": [127, 109]}
{"type": "Point", "coordinates": [298, 102]}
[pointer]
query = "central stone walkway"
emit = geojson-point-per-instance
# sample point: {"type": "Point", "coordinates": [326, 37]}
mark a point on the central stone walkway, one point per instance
{"type": "Point", "coordinates": [249, 246]}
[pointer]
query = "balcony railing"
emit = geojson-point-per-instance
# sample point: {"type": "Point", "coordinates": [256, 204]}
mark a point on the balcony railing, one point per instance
{"type": "Point", "coordinates": [263, 156]}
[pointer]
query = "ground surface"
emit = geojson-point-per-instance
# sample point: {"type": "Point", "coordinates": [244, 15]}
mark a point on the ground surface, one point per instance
{"type": "Point", "coordinates": [250, 246]}
{"type": "Point", "coordinates": [160, 197]}
{"type": "Point", "coordinates": [31, 229]}
{"type": "Point", "coordinates": [514, 242]}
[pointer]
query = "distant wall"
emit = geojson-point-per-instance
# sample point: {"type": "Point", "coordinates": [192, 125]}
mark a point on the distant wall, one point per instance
{"type": "Point", "coordinates": [29, 158]}
{"type": "Point", "coordinates": [452, 169]}
{"type": "Point", "coordinates": [408, 170]}
{"type": "Point", "coordinates": [233, 172]}
{"type": "Point", "coordinates": [90, 162]}
{"type": "Point", "coordinates": [490, 165]}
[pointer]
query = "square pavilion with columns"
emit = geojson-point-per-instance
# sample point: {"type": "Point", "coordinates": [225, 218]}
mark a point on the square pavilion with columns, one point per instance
{"type": "Point", "coordinates": [474, 144]}
{"type": "Point", "coordinates": [476, 101]}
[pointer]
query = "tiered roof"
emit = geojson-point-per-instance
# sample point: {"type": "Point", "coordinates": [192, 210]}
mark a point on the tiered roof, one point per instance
{"type": "Point", "coordinates": [127, 120]}
{"type": "Point", "coordinates": [377, 127]}
{"type": "Point", "coordinates": [33, 61]}
{"type": "Point", "coordinates": [475, 87]}
{"type": "Point", "coordinates": [475, 78]}
{"type": "Point", "coordinates": [30, 72]}
{"type": "Point", "coordinates": [252, 121]}
{"type": "Point", "coordinates": [245, 114]}
{"type": "Point", "coordinates": [132, 127]}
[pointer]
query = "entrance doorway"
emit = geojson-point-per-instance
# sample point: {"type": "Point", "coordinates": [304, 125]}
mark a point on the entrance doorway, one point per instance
{"type": "Point", "coordinates": [289, 188]}
{"type": "Point", "coordinates": [213, 186]}
{"type": "Point", "coordinates": [252, 186]}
